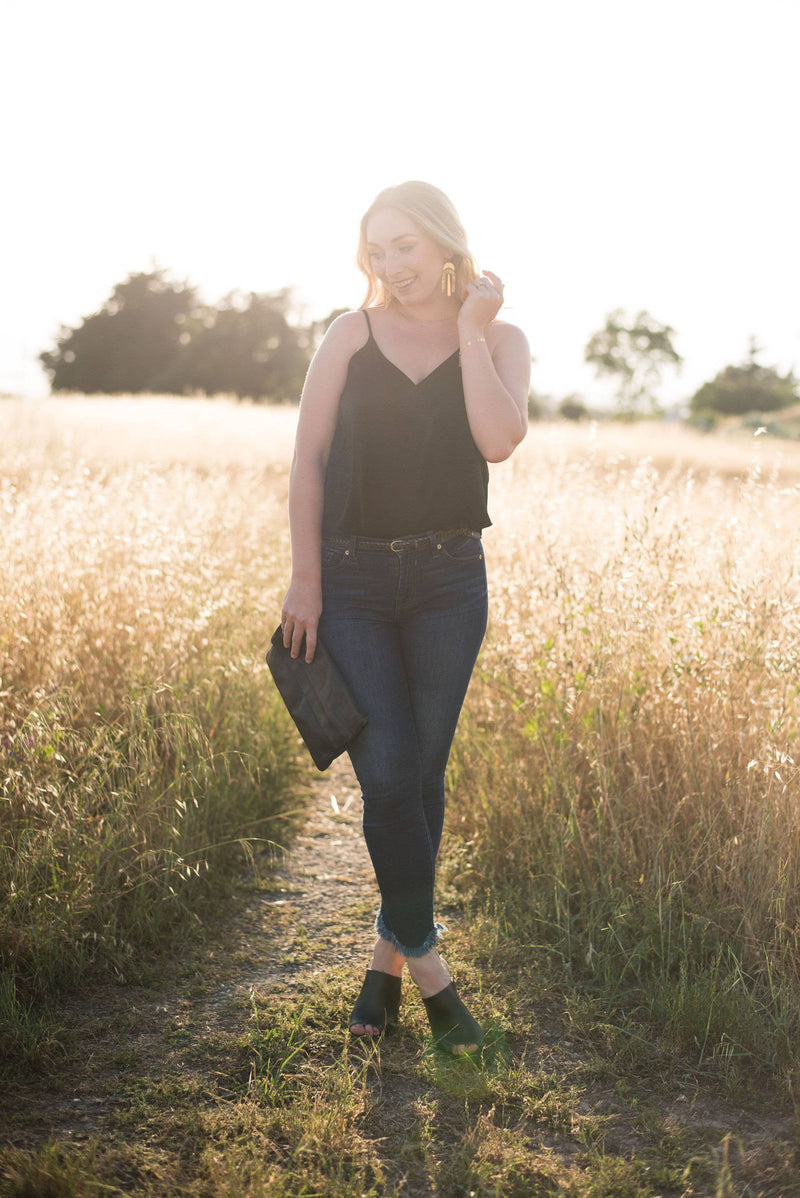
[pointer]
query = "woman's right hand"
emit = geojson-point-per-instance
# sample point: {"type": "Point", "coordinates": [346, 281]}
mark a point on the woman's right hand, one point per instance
{"type": "Point", "coordinates": [300, 615]}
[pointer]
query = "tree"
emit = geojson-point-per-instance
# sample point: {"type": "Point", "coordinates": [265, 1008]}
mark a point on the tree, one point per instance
{"type": "Point", "coordinates": [635, 351]}
{"type": "Point", "coordinates": [130, 344]}
{"type": "Point", "coordinates": [155, 335]}
{"type": "Point", "coordinates": [248, 347]}
{"type": "Point", "coordinates": [748, 387]}
{"type": "Point", "coordinates": [572, 407]}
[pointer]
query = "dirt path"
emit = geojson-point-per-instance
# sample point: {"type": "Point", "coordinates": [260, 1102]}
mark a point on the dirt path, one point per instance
{"type": "Point", "coordinates": [137, 1049]}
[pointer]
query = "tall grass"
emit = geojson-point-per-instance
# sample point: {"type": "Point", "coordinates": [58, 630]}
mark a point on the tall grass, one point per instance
{"type": "Point", "coordinates": [140, 739]}
{"type": "Point", "coordinates": [627, 786]}
{"type": "Point", "coordinates": [626, 798]}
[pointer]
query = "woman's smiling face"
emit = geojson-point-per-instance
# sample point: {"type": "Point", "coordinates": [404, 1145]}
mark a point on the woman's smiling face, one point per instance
{"type": "Point", "coordinates": [406, 260]}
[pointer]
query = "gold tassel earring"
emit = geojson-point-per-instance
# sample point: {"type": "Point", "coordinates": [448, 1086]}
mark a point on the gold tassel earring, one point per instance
{"type": "Point", "coordinates": [448, 278]}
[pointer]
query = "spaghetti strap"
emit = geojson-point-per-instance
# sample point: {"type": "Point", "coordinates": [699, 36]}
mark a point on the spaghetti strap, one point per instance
{"type": "Point", "coordinates": [369, 323]}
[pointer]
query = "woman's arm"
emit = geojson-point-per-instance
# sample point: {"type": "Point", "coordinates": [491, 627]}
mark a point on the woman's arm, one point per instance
{"type": "Point", "coordinates": [316, 423]}
{"type": "Point", "coordinates": [496, 373]}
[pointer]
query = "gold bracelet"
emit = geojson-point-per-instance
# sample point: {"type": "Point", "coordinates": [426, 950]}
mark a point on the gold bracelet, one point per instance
{"type": "Point", "coordinates": [467, 344]}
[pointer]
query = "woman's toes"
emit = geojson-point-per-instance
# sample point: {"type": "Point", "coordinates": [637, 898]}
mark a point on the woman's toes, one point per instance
{"type": "Point", "coordinates": [364, 1029]}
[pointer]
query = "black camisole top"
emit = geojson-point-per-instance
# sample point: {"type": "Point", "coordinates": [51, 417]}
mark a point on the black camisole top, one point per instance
{"type": "Point", "coordinates": [402, 460]}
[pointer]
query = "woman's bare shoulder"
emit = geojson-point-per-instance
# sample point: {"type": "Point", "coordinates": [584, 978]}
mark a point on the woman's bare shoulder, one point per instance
{"type": "Point", "coordinates": [503, 333]}
{"type": "Point", "coordinates": [325, 381]}
{"type": "Point", "coordinates": [328, 370]}
{"type": "Point", "coordinates": [347, 333]}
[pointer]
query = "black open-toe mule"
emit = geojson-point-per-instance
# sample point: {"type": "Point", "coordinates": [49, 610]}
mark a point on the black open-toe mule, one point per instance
{"type": "Point", "coordinates": [451, 1022]}
{"type": "Point", "coordinates": [378, 1003]}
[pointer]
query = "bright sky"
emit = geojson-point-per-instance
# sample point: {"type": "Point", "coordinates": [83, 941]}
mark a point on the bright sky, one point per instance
{"type": "Point", "coordinates": [618, 154]}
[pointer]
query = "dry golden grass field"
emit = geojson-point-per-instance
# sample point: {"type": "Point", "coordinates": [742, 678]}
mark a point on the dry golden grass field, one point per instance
{"type": "Point", "coordinates": [144, 551]}
{"type": "Point", "coordinates": [623, 837]}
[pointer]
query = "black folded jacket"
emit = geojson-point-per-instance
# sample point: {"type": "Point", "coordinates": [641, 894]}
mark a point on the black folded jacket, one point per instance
{"type": "Point", "coordinates": [317, 698]}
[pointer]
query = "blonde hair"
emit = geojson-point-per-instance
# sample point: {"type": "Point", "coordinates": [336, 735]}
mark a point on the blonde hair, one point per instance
{"type": "Point", "coordinates": [435, 215]}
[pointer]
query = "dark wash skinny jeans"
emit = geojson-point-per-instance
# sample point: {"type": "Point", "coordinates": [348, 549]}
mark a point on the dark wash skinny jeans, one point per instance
{"type": "Point", "coordinates": [404, 621]}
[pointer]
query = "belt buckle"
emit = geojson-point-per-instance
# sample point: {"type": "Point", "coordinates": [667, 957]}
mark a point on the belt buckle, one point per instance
{"type": "Point", "coordinates": [396, 546]}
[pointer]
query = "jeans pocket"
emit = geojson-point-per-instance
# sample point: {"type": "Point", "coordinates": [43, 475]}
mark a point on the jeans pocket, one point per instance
{"type": "Point", "coordinates": [463, 548]}
{"type": "Point", "coordinates": [335, 556]}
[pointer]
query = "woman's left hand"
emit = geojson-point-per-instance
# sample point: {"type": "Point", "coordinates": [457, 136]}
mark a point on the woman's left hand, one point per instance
{"type": "Point", "coordinates": [483, 299]}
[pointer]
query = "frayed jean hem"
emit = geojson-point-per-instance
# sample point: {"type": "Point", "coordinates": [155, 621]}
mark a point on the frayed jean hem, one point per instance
{"type": "Point", "coordinates": [420, 950]}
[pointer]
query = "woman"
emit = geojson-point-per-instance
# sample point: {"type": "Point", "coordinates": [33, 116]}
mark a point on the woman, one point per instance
{"type": "Point", "coordinates": [405, 402]}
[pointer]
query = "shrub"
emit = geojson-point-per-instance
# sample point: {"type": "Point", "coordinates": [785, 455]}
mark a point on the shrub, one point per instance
{"type": "Point", "coordinates": [748, 387]}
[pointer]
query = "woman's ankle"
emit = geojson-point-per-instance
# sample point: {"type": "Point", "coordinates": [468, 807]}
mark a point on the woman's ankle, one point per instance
{"type": "Point", "coordinates": [430, 973]}
{"type": "Point", "coordinates": [386, 958]}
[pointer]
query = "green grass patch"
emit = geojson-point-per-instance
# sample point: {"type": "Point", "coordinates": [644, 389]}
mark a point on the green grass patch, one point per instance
{"type": "Point", "coordinates": [581, 859]}
{"type": "Point", "coordinates": [292, 1106]}
{"type": "Point", "coordinates": [116, 832]}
